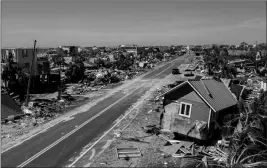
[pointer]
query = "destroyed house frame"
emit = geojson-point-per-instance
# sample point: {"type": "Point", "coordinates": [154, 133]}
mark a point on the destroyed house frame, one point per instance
{"type": "Point", "coordinates": [198, 93]}
{"type": "Point", "coordinates": [209, 101]}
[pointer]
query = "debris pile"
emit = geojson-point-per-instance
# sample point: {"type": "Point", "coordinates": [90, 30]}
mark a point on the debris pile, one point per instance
{"type": "Point", "coordinates": [45, 108]}
{"type": "Point", "coordinates": [76, 89]}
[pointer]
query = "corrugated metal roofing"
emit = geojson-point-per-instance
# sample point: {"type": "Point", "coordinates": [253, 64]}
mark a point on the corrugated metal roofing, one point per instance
{"type": "Point", "coordinates": [8, 106]}
{"type": "Point", "coordinates": [165, 89]}
{"type": "Point", "coordinates": [6, 111]}
{"type": "Point", "coordinates": [220, 98]}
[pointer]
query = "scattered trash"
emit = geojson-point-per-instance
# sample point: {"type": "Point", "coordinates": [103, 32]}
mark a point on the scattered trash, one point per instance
{"type": "Point", "coordinates": [183, 146]}
{"type": "Point", "coordinates": [34, 121]}
{"type": "Point", "coordinates": [27, 111]}
{"type": "Point", "coordinates": [169, 140]}
{"type": "Point", "coordinates": [117, 134]}
{"type": "Point", "coordinates": [23, 125]}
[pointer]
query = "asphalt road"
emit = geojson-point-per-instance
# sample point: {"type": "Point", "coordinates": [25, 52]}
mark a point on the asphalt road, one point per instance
{"type": "Point", "coordinates": [54, 147]}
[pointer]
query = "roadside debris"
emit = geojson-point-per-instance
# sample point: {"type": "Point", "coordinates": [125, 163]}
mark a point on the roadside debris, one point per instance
{"type": "Point", "coordinates": [44, 108]}
{"type": "Point", "coordinates": [152, 129]}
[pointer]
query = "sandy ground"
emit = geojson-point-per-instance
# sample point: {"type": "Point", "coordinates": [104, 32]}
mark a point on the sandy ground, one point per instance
{"type": "Point", "coordinates": [12, 133]}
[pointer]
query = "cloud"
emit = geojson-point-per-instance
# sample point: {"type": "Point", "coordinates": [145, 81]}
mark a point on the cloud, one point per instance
{"type": "Point", "coordinates": [254, 23]}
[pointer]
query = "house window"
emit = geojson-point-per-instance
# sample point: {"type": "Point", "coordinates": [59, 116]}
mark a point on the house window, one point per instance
{"type": "Point", "coordinates": [24, 53]}
{"type": "Point", "coordinates": [185, 109]}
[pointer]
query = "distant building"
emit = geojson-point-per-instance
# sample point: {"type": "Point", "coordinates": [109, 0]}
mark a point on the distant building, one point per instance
{"type": "Point", "coordinates": [71, 50]}
{"type": "Point", "coordinates": [42, 50]}
{"type": "Point", "coordinates": [6, 52]}
{"type": "Point", "coordinates": [129, 49]}
{"type": "Point", "coordinates": [22, 56]}
{"type": "Point", "coordinates": [94, 48]}
{"type": "Point", "coordinates": [187, 47]}
{"type": "Point", "coordinates": [80, 49]}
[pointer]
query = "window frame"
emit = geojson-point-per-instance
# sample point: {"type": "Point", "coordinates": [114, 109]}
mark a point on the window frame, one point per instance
{"type": "Point", "coordinates": [180, 110]}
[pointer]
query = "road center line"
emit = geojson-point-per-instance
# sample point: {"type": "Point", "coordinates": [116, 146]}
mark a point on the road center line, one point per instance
{"type": "Point", "coordinates": [79, 127]}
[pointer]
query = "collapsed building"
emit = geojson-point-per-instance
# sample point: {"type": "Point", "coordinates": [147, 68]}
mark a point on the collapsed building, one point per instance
{"type": "Point", "coordinates": [196, 108]}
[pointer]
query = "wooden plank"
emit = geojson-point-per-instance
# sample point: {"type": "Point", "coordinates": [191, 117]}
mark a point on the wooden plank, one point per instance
{"type": "Point", "coordinates": [129, 155]}
{"type": "Point", "coordinates": [15, 97]}
{"type": "Point", "coordinates": [123, 149]}
{"type": "Point", "coordinates": [187, 144]}
{"type": "Point", "coordinates": [185, 151]}
{"type": "Point", "coordinates": [169, 140]}
{"type": "Point", "coordinates": [123, 152]}
{"type": "Point", "coordinates": [128, 152]}
{"type": "Point", "coordinates": [172, 149]}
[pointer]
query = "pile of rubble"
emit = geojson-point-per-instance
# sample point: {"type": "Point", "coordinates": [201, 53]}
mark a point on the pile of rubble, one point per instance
{"type": "Point", "coordinates": [76, 89]}
{"type": "Point", "coordinates": [45, 108]}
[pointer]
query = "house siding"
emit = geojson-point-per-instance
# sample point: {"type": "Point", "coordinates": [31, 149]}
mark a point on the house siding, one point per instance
{"type": "Point", "coordinates": [22, 60]}
{"type": "Point", "coordinates": [199, 111]}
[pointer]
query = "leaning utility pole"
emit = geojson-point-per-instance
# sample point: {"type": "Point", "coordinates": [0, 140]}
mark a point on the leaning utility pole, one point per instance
{"type": "Point", "coordinates": [29, 82]}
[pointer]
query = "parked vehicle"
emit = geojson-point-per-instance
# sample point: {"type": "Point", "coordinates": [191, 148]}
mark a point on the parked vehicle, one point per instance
{"type": "Point", "coordinates": [189, 74]}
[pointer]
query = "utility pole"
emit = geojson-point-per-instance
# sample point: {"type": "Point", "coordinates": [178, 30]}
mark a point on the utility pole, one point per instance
{"type": "Point", "coordinates": [60, 83]}
{"type": "Point", "coordinates": [31, 69]}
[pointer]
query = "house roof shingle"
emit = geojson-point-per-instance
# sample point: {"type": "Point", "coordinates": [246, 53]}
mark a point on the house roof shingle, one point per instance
{"type": "Point", "coordinates": [220, 98]}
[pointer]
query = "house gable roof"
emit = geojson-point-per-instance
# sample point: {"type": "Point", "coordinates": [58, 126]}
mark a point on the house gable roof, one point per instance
{"type": "Point", "coordinates": [214, 93]}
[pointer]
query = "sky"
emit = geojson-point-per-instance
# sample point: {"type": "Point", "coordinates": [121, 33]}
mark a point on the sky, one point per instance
{"type": "Point", "coordinates": [143, 22]}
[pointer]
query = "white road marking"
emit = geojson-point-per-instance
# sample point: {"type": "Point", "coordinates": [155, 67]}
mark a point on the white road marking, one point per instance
{"type": "Point", "coordinates": [93, 154]}
{"type": "Point", "coordinates": [56, 123]}
{"type": "Point", "coordinates": [82, 125]}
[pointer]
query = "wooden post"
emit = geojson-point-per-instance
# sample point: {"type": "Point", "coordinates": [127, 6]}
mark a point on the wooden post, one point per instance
{"type": "Point", "coordinates": [29, 82]}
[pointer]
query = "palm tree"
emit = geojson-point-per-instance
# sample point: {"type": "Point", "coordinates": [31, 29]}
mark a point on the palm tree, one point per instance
{"type": "Point", "coordinates": [248, 146]}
